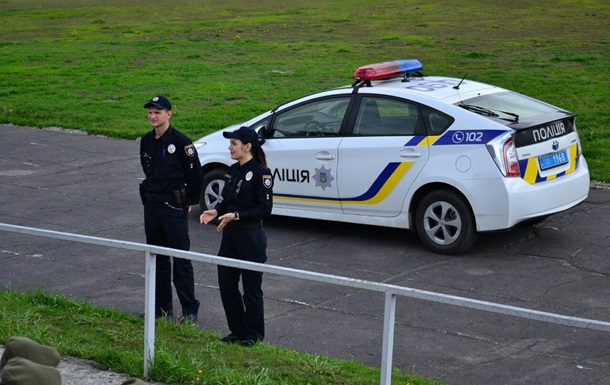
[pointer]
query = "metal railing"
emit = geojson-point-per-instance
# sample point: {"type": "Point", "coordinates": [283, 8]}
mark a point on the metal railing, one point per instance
{"type": "Point", "coordinates": [391, 291]}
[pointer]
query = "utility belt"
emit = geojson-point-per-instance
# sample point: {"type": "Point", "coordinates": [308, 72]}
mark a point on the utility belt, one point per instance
{"type": "Point", "coordinates": [244, 225]}
{"type": "Point", "coordinates": [177, 197]}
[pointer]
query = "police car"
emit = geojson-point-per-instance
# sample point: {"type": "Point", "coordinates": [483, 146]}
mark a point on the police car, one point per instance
{"type": "Point", "coordinates": [445, 157]}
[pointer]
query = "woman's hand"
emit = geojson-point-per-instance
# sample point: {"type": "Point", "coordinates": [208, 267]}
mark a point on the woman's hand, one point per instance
{"type": "Point", "coordinates": [207, 216]}
{"type": "Point", "coordinates": [224, 220]}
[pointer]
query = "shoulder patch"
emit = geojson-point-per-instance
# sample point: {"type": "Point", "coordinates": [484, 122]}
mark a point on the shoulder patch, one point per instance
{"type": "Point", "coordinates": [190, 150]}
{"type": "Point", "coordinates": [267, 181]}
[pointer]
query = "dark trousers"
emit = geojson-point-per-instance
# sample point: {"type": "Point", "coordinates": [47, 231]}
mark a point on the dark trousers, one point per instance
{"type": "Point", "coordinates": [245, 313]}
{"type": "Point", "coordinates": [167, 225]}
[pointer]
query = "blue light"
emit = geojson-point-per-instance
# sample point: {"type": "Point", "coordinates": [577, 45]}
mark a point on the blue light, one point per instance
{"type": "Point", "coordinates": [408, 66]}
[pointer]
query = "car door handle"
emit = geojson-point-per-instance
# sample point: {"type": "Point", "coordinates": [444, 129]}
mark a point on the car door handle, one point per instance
{"type": "Point", "coordinates": [410, 153]}
{"type": "Point", "coordinates": [326, 156]}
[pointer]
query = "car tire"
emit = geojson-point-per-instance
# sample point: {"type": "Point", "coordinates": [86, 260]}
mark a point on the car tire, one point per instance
{"type": "Point", "coordinates": [445, 223]}
{"type": "Point", "coordinates": [213, 183]}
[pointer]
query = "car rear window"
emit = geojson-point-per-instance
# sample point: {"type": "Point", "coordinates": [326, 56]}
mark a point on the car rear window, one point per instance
{"type": "Point", "coordinates": [513, 103]}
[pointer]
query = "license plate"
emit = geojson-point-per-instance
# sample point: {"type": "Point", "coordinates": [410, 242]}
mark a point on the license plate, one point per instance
{"type": "Point", "coordinates": [553, 160]}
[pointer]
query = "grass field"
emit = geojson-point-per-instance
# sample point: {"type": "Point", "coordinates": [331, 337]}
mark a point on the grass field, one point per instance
{"type": "Point", "coordinates": [183, 354]}
{"type": "Point", "coordinates": [91, 65]}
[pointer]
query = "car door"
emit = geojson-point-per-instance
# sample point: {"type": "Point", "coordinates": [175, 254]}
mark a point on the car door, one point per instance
{"type": "Point", "coordinates": [301, 146]}
{"type": "Point", "coordinates": [380, 159]}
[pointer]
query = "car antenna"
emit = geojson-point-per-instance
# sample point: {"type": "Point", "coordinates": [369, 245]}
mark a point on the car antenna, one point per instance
{"type": "Point", "coordinates": [460, 83]}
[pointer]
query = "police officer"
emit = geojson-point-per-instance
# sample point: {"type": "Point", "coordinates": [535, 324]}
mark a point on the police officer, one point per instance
{"type": "Point", "coordinates": [173, 182]}
{"type": "Point", "coordinates": [247, 199]}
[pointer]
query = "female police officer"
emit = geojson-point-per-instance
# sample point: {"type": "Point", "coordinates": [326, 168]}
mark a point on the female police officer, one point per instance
{"type": "Point", "coordinates": [247, 200]}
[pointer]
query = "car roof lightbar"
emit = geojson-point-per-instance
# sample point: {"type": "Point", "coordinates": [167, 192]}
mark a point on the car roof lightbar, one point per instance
{"type": "Point", "coordinates": [386, 70]}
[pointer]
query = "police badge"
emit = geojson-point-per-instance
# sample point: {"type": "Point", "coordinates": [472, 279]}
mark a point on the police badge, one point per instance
{"type": "Point", "coordinates": [190, 150]}
{"type": "Point", "coordinates": [323, 177]}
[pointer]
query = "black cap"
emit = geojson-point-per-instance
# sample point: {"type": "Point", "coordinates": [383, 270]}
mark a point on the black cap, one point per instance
{"type": "Point", "coordinates": [244, 134]}
{"type": "Point", "coordinates": [160, 102]}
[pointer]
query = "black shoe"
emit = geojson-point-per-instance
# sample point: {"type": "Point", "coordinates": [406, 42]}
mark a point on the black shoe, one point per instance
{"type": "Point", "coordinates": [188, 318]}
{"type": "Point", "coordinates": [247, 343]}
{"type": "Point", "coordinates": [231, 338]}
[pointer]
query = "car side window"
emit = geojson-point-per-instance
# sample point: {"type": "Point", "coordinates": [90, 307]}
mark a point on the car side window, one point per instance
{"type": "Point", "coordinates": [437, 122]}
{"type": "Point", "coordinates": [321, 117]}
{"type": "Point", "coordinates": [378, 116]}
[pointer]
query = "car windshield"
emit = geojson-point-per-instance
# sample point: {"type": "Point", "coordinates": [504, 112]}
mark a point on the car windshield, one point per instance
{"type": "Point", "coordinates": [510, 103]}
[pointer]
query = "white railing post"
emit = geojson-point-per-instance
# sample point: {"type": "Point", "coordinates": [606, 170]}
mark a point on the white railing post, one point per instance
{"type": "Point", "coordinates": [389, 316]}
{"type": "Point", "coordinates": [149, 311]}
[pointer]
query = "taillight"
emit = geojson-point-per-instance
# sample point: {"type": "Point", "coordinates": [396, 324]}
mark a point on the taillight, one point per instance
{"type": "Point", "coordinates": [578, 139]}
{"type": "Point", "coordinates": [509, 157]}
{"type": "Point", "coordinates": [503, 151]}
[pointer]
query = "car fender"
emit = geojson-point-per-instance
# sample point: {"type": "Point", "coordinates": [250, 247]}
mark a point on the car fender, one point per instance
{"type": "Point", "coordinates": [469, 171]}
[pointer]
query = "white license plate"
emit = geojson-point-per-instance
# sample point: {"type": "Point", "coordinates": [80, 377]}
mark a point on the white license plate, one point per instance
{"type": "Point", "coordinates": [553, 160]}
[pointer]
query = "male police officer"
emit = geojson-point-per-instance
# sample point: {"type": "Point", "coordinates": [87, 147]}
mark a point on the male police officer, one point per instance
{"type": "Point", "coordinates": [173, 182]}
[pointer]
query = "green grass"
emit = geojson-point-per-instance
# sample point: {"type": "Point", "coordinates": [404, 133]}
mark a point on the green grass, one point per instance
{"type": "Point", "coordinates": [183, 353]}
{"type": "Point", "coordinates": [92, 65]}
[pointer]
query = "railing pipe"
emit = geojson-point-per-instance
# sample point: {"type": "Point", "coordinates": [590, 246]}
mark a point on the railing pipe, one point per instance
{"type": "Point", "coordinates": [391, 291]}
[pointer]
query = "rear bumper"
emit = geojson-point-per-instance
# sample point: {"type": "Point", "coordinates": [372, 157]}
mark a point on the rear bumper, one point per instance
{"type": "Point", "coordinates": [517, 201]}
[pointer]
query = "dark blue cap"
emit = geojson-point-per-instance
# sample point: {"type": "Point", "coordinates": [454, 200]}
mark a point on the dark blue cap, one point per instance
{"type": "Point", "coordinates": [244, 134]}
{"type": "Point", "coordinates": [160, 102]}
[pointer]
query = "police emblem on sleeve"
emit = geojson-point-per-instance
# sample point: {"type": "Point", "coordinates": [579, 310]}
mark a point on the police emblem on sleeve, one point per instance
{"type": "Point", "coordinates": [190, 150]}
{"type": "Point", "coordinates": [267, 181]}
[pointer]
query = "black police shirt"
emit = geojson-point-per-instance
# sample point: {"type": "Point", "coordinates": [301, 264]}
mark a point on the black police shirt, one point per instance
{"type": "Point", "coordinates": [170, 163]}
{"type": "Point", "coordinates": [249, 191]}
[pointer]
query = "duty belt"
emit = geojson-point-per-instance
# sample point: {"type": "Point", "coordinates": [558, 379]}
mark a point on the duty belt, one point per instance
{"type": "Point", "coordinates": [176, 197]}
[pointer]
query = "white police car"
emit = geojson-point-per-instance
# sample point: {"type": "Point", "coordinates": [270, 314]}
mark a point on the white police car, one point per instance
{"type": "Point", "coordinates": [445, 157]}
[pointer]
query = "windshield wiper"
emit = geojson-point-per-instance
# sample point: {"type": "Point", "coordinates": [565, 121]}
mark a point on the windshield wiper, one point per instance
{"type": "Point", "coordinates": [515, 116]}
{"type": "Point", "coordinates": [479, 110]}
{"type": "Point", "coordinates": [487, 112]}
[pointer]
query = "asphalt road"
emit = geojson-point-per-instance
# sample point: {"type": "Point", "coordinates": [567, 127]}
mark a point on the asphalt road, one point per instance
{"type": "Point", "coordinates": [72, 182]}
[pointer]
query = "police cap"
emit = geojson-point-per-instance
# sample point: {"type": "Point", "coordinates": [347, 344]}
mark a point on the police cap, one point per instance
{"type": "Point", "coordinates": [244, 134]}
{"type": "Point", "coordinates": [160, 102]}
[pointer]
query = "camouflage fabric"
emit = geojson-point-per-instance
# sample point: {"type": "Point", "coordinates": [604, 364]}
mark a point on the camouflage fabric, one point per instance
{"type": "Point", "coordinates": [21, 371]}
{"type": "Point", "coordinates": [26, 348]}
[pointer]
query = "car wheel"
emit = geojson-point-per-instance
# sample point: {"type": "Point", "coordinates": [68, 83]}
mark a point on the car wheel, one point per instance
{"type": "Point", "coordinates": [213, 183]}
{"type": "Point", "coordinates": [445, 223]}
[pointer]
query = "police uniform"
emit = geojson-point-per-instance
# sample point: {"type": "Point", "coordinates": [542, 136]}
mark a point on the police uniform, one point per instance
{"type": "Point", "coordinates": [173, 183]}
{"type": "Point", "coordinates": [248, 193]}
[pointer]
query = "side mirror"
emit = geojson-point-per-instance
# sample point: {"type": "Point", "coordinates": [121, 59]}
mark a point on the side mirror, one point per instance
{"type": "Point", "coordinates": [262, 134]}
